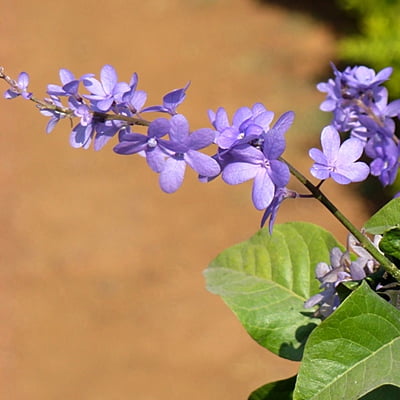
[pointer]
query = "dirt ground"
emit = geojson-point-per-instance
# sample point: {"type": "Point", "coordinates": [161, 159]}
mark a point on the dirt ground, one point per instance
{"type": "Point", "coordinates": [101, 288]}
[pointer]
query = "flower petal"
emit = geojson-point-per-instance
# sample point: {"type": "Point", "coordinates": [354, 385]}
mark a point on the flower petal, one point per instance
{"type": "Point", "coordinates": [239, 172]}
{"type": "Point", "coordinates": [263, 190]}
{"type": "Point", "coordinates": [202, 163]}
{"type": "Point", "coordinates": [171, 177]}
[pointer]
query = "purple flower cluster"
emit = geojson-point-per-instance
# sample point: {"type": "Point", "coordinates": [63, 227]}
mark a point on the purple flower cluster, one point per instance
{"type": "Point", "coordinates": [248, 148]}
{"type": "Point", "coordinates": [108, 107]}
{"type": "Point", "coordinates": [360, 108]}
{"type": "Point", "coordinates": [19, 87]}
{"type": "Point", "coordinates": [169, 157]}
{"type": "Point", "coordinates": [341, 269]}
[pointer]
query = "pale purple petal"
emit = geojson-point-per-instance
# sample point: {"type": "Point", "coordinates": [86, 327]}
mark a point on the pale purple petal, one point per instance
{"type": "Point", "coordinates": [179, 131]}
{"type": "Point", "coordinates": [264, 119]}
{"type": "Point", "coordinates": [350, 151]}
{"type": "Point", "coordinates": [201, 138]}
{"type": "Point", "coordinates": [138, 99]}
{"type": "Point", "coordinates": [23, 80]}
{"type": "Point", "coordinates": [239, 172]}
{"type": "Point", "coordinates": [66, 76]}
{"type": "Point", "coordinates": [171, 177]}
{"type": "Point", "coordinates": [202, 163]}
{"type": "Point", "coordinates": [105, 105]}
{"type": "Point", "coordinates": [279, 173]}
{"type": "Point", "coordinates": [356, 172]}
{"type": "Point", "coordinates": [108, 77]}
{"type": "Point", "coordinates": [318, 156]}
{"type": "Point", "coordinates": [156, 159]}
{"type": "Point", "coordinates": [330, 141]}
{"type": "Point", "coordinates": [263, 190]}
{"type": "Point", "coordinates": [81, 136]}
{"type": "Point", "coordinates": [95, 87]}
{"type": "Point", "coordinates": [340, 177]}
{"type": "Point", "coordinates": [159, 127]}
{"type": "Point", "coordinates": [241, 115]}
{"type": "Point", "coordinates": [220, 119]}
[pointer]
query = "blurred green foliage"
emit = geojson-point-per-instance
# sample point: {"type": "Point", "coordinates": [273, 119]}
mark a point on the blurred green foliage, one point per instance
{"type": "Point", "coordinates": [377, 43]}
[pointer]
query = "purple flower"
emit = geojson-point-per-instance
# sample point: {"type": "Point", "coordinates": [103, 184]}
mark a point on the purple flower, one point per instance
{"type": "Point", "coordinates": [385, 154]}
{"type": "Point", "coordinates": [246, 123]}
{"type": "Point", "coordinates": [104, 132]}
{"type": "Point", "coordinates": [106, 91]}
{"type": "Point", "coordinates": [341, 268]}
{"type": "Point", "coordinates": [338, 161]}
{"type": "Point", "coordinates": [134, 99]}
{"type": "Point", "coordinates": [170, 101]}
{"type": "Point", "coordinates": [354, 93]}
{"type": "Point", "coordinates": [150, 145]}
{"type": "Point", "coordinates": [361, 77]}
{"type": "Point", "coordinates": [81, 110]}
{"type": "Point", "coordinates": [271, 211]}
{"type": "Point", "coordinates": [19, 88]}
{"type": "Point", "coordinates": [81, 136]}
{"type": "Point", "coordinates": [184, 147]}
{"type": "Point", "coordinates": [54, 115]}
{"type": "Point", "coordinates": [170, 157]}
{"type": "Point", "coordinates": [262, 164]}
{"type": "Point", "coordinates": [69, 87]}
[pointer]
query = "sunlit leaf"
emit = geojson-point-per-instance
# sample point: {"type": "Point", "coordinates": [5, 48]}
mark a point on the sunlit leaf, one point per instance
{"type": "Point", "coordinates": [353, 351]}
{"type": "Point", "coordinates": [266, 280]}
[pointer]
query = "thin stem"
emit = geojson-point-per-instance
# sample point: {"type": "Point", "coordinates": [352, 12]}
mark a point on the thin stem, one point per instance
{"type": "Point", "coordinates": [363, 240]}
{"type": "Point", "coordinates": [43, 105]}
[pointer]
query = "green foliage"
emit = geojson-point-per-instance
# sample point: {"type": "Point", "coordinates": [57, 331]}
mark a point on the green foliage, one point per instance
{"type": "Point", "coordinates": [352, 352]}
{"type": "Point", "coordinates": [387, 218]}
{"type": "Point", "coordinates": [390, 243]}
{"type": "Point", "coordinates": [266, 280]}
{"type": "Point", "coordinates": [378, 43]}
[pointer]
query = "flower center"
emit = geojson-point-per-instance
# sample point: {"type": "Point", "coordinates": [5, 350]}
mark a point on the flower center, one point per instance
{"type": "Point", "coordinates": [152, 142]}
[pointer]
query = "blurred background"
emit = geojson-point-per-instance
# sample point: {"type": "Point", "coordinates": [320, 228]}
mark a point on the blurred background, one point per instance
{"type": "Point", "coordinates": [101, 287]}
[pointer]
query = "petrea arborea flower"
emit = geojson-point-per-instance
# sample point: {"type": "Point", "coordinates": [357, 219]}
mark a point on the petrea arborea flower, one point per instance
{"type": "Point", "coordinates": [19, 88]}
{"type": "Point", "coordinates": [134, 99]}
{"type": "Point", "coordinates": [262, 164]}
{"type": "Point", "coordinates": [385, 155]}
{"type": "Point", "coordinates": [107, 91]}
{"type": "Point", "coordinates": [341, 268]}
{"type": "Point", "coordinates": [81, 110]}
{"type": "Point", "coordinates": [81, 136]}
{"type": "Point", "coordinates": [170, 101]}
{"type": "Point", "coordinates": [184, 147]}
{"type": "Point", "coordinates": [246, 123]}
{"type": "Point", "coordinates": [151, 145]}
{"type": "Point", "coordinates": [360, 106]}
{"type": "Point", "coordinates": [70, 85]}
{"type": "Point", "coordinates": [271, 211]}
{"type": "Point", "coordinates": [170, 157]}
{"type": "Point", "coordinates": [55, 114]}
{"type": "Point", "coordinates": [338, 161]}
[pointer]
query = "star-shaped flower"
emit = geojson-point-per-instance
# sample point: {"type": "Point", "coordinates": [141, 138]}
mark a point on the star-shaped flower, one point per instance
{"type": "Point", "coordinates": [262, 164]}
{"type": "Point", "coordinates": [106, 91]}
{"type": "Point", "coordinates": [338, 161]}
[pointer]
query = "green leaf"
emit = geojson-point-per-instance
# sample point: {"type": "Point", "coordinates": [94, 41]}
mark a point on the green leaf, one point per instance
{"type": "Point", "coordinates": [390, 243]}
{"type": "Point", "coordinates": [353, 351]}
{"type": "Point", "coordinates": [279, 390]}
{"type": "Point", "coordinates": [388, 217]}
{"type": "Point", "coordinates": [266, 280]}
